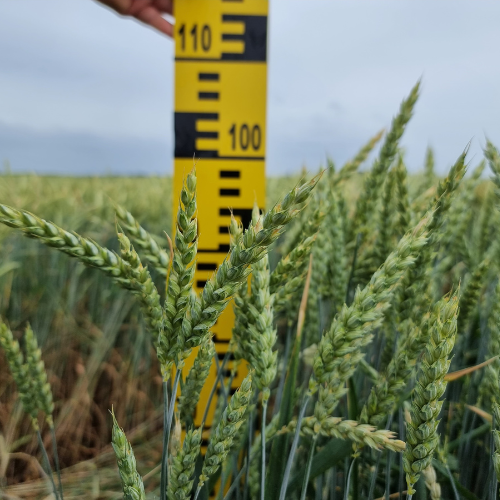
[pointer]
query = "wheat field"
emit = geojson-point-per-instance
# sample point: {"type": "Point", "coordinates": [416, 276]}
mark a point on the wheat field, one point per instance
{"type": "Point", "coordinates": [367, 308]}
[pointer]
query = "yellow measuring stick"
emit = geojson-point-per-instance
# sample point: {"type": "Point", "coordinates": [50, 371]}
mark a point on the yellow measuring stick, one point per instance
{"type": "Point", "coordinates": [220, 118]}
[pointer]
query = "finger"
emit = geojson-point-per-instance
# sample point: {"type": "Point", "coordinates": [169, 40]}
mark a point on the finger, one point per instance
{"type": "Point", "coordinates": [152, 16]}
{"type": "Point", "coordinates": [120, 6]}
{"type": "Point", "coordinates": [138, 5]}
{"type": "Point", "coordinates": [166, 6]}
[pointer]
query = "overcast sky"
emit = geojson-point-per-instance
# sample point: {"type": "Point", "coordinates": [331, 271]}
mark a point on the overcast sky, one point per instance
{"type": "Point", "coordinates": [83, 91]}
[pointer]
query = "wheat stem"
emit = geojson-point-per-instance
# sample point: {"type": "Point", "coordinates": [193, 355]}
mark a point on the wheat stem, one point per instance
{"type": "Point", "coordinates": [293, 449]}
{"type": "Point", "coordinates": [263, 448]}
{"type": "Point", "coordinates": [56, 460]}
{"type": "Point", "coordinates": [214, 387]}
{"type": "Point", "coordinates": [246, 489]}
{"type": "Point", "coordinates": [348, 482]}
{"type": "Point", "coordinates": [47, 463]}
{"type": "Point", "coordinates": [170, 414]}
{"type": "Point", "coordinates": [308, 467]}
{"type": "Point", "coordinates": [166, 433]}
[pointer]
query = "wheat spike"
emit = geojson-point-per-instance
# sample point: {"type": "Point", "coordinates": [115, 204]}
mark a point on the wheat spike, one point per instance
{"type": "Point", "coordinates": [340, 348]}
{"type": "Point", "coordinates": [422, 437]}
{"type": "Point", "coordinates": [373, 182]}
{"type": "Point", "coordinates": [222, 437]}
{"type": "Point", "coordinates": [252, 247]}
{"type": "Point", "coordinates": [40, 386]}
{"type": "Point", "coordinates": [133, 487]}
{"type": "Point", "coordinates": [91, 254]}
{"type": "Point", "coordinates": [20, 372]}
{"type": "Point", "coordinates": [195, 380]}
{"type": "Point", "coordinates": [351, 167]}
{"type": "Point", "coordinates": [182, 468]}
{"type": "Point", "coordinates": [156, 255]}
{"type": "Point", "coordinates": [431, 482]}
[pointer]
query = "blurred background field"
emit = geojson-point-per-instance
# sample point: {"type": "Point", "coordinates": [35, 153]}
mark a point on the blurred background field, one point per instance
{"type": "Point", "coordinates": [92, 338]}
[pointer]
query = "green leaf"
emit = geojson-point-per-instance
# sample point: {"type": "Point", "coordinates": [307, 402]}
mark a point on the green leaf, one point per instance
{"type": "Point", "coordinates": [197, 471]}
{"type": "Point", "coordinates": [469, 436]}
{"type": "Point", "coordinates": [332, 454]}
{"type": "Point", "coordinates": [9, 266]}
{"type": "Point", "coordinates": [464, 492]}
{"type": "Point", "coordinates": [353, 414]}
{"type": "Point", "coordinates": [421, 493]}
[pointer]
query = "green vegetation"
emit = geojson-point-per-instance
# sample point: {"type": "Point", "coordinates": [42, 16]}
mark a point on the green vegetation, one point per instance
{"type": "Point", "coordinates": [372, 299]}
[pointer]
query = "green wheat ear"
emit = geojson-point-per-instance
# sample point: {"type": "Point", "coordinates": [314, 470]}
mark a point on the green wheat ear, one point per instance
{"type": "Point", "coordinates": [431, 482]}
{"type": "Point", "coordinates": [20, 372]}
{"type": "Point", "coordinates": [140, 284]}
{"type": "Point", "coordinates": [133, 488]}
{"type": "Point", "coordinates": [252, 246]}
{"type": "Point", "coordinates": [360, 434]}
{"type": "Point", "coordinates": [226, 431]}
{"type": "Point", "coordinates": [156, 255]}
{"type": "Point", "coordinates": [403, 207]}
{"type": "Point", "coordinates": [351, 166]}
{"type": "Point", "coordinates": [366, 203]}
{"type": "Point", "coordinates": [182, 468]}
{"type": "Point", "coordinates": [135, 279]}
{"type": "Point", "coordinates": [255, 340]}
{"type": "Point", "coordinates": [341, 347]}
{"type": "Point", "coordinates": [289, 276]}
{"type": "Point", "coordinates": [195, 380]}
{"type": "Point", "coordinates": [172, 346]}
{"type": "Point", "coordinates": [489, 390]}
{"type": "Point", "coordinates": [39, 382]}
{"type": "Point", "coordinates": [422, 436]}
{"type": "Point", "coordinates": [496, 439]}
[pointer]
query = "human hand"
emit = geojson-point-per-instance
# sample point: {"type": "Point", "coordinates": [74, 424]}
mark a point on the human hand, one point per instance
{"type": "Point", "coordinates": [148, 11]}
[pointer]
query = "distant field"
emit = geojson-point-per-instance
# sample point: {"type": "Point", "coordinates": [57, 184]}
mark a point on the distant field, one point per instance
{"type": "Point", "coordinates": [82, 201]}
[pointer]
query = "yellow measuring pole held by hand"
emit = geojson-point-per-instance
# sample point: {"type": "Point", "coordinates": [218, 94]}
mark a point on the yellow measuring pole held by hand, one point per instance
{"type": "Point", "coordinates": [220, 119]}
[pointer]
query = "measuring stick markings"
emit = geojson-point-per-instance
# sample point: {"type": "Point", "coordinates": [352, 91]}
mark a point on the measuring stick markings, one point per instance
{"type": "Point", "coordinates": [220, 117]}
